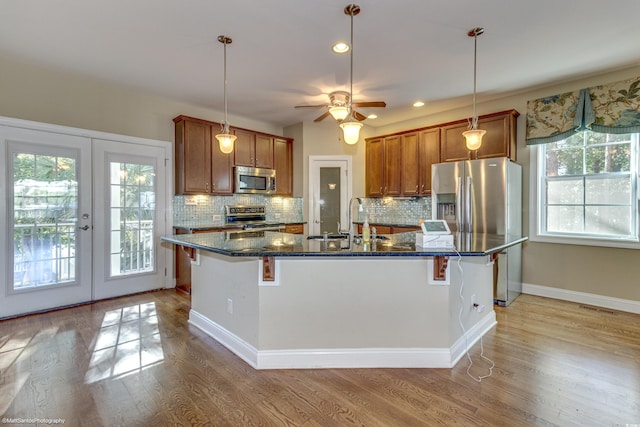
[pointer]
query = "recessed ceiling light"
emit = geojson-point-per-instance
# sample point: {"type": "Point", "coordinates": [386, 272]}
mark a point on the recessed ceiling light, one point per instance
{"type": "Point", "coordinates": [340, 47]}
{"type": "Point", "coordinates": [418, 104]}
{"type": "Point", "coordinates": [372, 116]}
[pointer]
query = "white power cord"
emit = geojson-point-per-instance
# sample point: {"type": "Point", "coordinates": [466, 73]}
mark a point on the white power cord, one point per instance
{"type": "Point", "coordinates": [464, 331]}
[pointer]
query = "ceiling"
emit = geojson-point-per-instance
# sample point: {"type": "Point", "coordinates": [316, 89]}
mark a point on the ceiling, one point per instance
{"type": "Point", "coordinates": [404, 50]}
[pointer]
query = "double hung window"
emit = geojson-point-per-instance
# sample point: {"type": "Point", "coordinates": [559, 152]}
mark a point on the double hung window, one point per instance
{"type": "Point", "coordinates": [587, 189]}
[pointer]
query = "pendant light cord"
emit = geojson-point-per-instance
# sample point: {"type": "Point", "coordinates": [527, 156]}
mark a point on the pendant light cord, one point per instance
{"type": "Point", "coordinates": [474, 123]}
{"type": "Point", "coordinates": [351, 72]}
{"type": "Point", "coordinates": [225, 128]}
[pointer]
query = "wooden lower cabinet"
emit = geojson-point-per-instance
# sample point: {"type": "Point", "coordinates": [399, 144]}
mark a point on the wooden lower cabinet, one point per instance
{"type": "Point", "coordinates": [183, 257]}
{"type": "Point", "coordinates": [294, 228]}
{"type": "Point", "coordinates": [389, 229]}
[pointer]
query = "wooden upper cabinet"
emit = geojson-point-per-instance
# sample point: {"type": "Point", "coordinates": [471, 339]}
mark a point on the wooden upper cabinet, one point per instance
{"type": "Point", "coordinates": [253, 149]}
{"type": "Point", "coordinates": [283, 164]}
{"type": "Point", "coordinates": [192, 157]}
{"type": "Point", "coordinates": [244, 148]}
{"type": "Point", "coordinates": [374, 171]}
{"type": "Point", "coordinates": [221, 170]}
{"type": "Point", "coordinates": [429, 154]}
{"type": "Point", "coordinates": [201, 168]}
{"type": "Point", "coordinates": [411, 164]}
{"type": "Point", "coordinates": [393, 166]}
{"type": "Point", "coordinates": [400, 164]}
{"type": "Point", "coordinates": [264, 151]}
{"type": "Point", "coordinates": [499, 141]}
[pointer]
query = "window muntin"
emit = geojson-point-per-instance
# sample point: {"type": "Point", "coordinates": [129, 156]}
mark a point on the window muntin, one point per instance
{"type": "Point", "coordinates": [587, 187]}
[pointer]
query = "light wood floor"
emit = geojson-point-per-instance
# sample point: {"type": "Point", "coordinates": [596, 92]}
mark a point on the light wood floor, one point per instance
{"type": "Point", "coordinates": [136, 361]}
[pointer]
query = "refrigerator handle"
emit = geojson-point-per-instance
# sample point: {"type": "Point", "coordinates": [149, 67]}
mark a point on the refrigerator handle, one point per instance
{"type": "Point", "coordinates": [467, 205]}
{"type": "Point", "coordinates": [459, 208]}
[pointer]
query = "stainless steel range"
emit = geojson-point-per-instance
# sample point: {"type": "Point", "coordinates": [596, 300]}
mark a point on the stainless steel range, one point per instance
{"type": "Point", "coordinates": [251, 218]}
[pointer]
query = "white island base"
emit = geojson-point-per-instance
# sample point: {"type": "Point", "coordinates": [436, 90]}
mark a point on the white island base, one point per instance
{"type": "Point", "coordinates": [342, 312]}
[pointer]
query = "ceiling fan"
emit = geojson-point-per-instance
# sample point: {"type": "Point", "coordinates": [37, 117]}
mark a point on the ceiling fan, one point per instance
{"type": "Point", "coordinates": [338, 106]}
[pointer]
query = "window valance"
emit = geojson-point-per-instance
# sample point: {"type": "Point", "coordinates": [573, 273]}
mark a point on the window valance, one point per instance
{"type": "Point", "coordinates": [610, 108]}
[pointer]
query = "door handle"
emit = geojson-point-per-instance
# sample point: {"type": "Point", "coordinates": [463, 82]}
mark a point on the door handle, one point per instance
{"type": "Point", "coordinates": [84, 227]}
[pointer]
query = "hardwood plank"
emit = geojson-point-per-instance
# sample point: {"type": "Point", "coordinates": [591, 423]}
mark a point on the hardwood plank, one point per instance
{"type": "Point", "coordinates": [136, 361]}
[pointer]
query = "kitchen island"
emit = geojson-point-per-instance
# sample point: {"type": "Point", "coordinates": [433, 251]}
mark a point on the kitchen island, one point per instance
{"type": "Point", "coordinates": [281, 300]}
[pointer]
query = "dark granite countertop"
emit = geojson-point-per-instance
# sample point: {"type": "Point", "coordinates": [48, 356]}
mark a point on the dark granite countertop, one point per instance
{"type": "Point", "coordinates": [270, 243]}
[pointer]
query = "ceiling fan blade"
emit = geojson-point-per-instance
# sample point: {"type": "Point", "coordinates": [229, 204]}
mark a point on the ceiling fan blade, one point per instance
{"type": "Point", "coordinates": [359, 117]}
{"type": "Point", "coordinates": [370, 104]}
{"type": "Point", "coordinates": [311, 106]}
{"type": "Point", "coordinates": [322, 117]}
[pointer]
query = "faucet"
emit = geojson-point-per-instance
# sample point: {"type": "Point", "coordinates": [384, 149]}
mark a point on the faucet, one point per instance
{"type": "Point", "coordinates": [349, 229]}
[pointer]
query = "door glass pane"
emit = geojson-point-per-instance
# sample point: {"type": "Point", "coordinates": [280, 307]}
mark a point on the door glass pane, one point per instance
{"type": "Point", "coordinates": [45, 203]}
{"type": "Point", "coordinates": [132, 214]}
{"type": "Point", "coordinates": [329, 199]}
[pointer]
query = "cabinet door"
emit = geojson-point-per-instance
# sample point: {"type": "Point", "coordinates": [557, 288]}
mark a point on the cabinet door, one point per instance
{"type": "Point", "coordinates": [497, 141]}
{"type": "Point", "coordinates": [429, 155]}
{"type": "Point", "coordinates": [193, 154]}
{"type": "Point", "coordinates": [452, 144]}
{"type": "Point", "coordinates": [411, 160]}
{"type": "Point", "coordinates": [393, 166]}
{"type": "Point", "coordinates": [374, 174]}
{"type": "Point", "coordinates": [244, 148]}
{"type": "Point", "coordinates": [221, 171]}
{"type": "Point", "coordinates": [283, 164]}
{"type": "Point", "coordinates": [264, 152]}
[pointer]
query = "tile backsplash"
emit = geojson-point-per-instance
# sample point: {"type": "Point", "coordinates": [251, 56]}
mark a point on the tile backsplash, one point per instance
{"type": "Point", "coordinates": [209, 210]}
{"type": "Point", "coordinates": [395, 210]}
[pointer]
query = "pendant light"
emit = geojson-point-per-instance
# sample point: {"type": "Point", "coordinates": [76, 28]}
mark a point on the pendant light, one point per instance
{"type": "Point", "coordinates": [473, 137]}
{"type": "Point", "coordinates": [225, 139]}
{"type": "Point", "coordinates": [351, 127]}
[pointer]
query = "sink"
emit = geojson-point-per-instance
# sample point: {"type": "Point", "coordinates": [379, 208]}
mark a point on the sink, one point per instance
{"type": "Point", "coordinates": [329, 236]}
{"type": "Point", "coordinates": [342, 236]}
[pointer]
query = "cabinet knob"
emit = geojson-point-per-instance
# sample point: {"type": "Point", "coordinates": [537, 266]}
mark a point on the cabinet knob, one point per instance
{"type": "Point", "coordinates": [416, 188]}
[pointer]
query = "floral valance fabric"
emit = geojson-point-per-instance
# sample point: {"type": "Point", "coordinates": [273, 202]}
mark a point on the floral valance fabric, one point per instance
{"type": "Point", "coordinates": [610, 108]}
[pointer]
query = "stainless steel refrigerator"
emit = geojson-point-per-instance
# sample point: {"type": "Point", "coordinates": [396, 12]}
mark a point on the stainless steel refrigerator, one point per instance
{"type": "Point", "coordinates": [479, 197]}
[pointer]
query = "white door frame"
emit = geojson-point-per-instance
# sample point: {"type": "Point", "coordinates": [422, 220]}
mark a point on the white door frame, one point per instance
{"type": "Point", "coordinates": [315, 163]}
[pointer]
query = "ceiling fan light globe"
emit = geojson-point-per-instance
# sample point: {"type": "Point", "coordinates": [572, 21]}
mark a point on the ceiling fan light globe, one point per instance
{"type": "Point", "coordinates": [473, 138]}
{"type": "Point", "coordinates": [351, 131]}
{"type": "Point", "coordinates": [225, 141]}
{"type": "Point", "coordinates": [339, 113]}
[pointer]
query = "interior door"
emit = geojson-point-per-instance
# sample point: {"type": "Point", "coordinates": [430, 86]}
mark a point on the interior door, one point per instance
{"type": "Point", "coordinates": [130, 217]}
{"type": "Point", "coordinates": [330, 190]}
{"type": "Point", "coordinates": [46, 257]}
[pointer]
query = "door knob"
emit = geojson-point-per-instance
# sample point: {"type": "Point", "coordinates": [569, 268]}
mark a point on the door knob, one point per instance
{"type": "Point", "coordinates": [84, 227]}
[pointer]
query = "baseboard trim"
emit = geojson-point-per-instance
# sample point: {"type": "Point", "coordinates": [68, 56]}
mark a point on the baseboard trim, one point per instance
{"type": "Point", "coordinates": [344, 357]}
{"type": "Point", "coordinates": [582, 298]}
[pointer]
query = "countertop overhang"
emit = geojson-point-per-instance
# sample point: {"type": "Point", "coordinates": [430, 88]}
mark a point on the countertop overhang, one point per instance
{"type": "Point", "coordinates": [276, 244]}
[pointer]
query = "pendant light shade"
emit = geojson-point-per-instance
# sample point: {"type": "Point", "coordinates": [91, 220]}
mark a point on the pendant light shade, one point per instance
{"type": "Point", "coordinates": [473, 137]}
{"type": "Point", "coordinates": [351, 131]}
{"type": "Point", "coordinates": [351, 127]}
{"type": "Point", "coordinates": [225, 139]}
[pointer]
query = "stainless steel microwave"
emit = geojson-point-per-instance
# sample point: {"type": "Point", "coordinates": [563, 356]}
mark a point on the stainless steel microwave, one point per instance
{"type": "Point", "coordinates": [254, 180]}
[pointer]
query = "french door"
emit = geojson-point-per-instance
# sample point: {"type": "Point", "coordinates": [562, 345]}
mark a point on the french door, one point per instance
{"type": "Point", "coordinates": [80, 220]}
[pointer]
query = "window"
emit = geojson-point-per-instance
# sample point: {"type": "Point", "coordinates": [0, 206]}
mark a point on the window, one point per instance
{"type": "Point", "coordinates": [587, 190]}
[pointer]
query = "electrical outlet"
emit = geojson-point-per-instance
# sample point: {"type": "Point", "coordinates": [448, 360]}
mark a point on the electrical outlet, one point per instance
{"type": "Point", "coordinates": [229, 306]}
{"type": "Point", "coordinates": [217, 218]}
